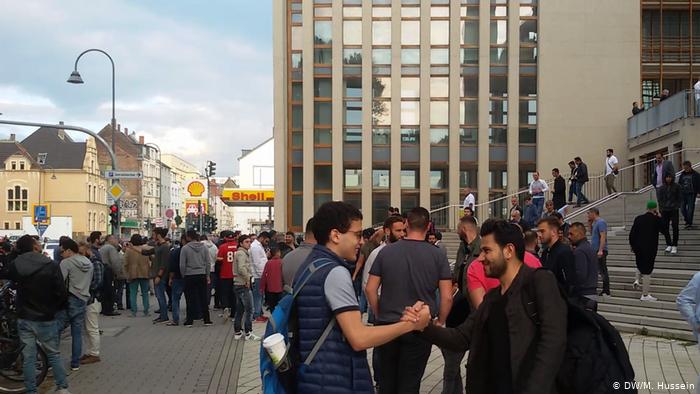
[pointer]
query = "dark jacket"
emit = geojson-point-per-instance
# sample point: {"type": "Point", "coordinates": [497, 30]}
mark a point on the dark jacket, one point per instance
{"type": "Point", "coordinates": [560, 260]}
{"type": "Point", "coordinates": [586, 262]}
{"type": "Point", "coordinates": [644, 241]}
{"type": "Point", "coordinates": [581, 173]}
{"type": "Point", "coordinates": [465, 255]}
{"type": "Point", "coordinates": [666, 169]}
{"type": "Point", "coordinates": [531, 216]}
{"type": "Point", "coordinates": [689, 182]}
{"type": "Point", "coordinates": [536, 352]}
{"type": "Point", "coordinates": [669, 197]}
{"type": "Point", "coordinates": [41, 290]}
{"type": "Point", "coordinates": [559, 196]}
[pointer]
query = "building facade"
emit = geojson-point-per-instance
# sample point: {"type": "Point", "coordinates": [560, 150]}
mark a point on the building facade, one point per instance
{"type": "Point", "coordinates": [405, 102]}
{"type": "Point", "coordinates": [181, 172]}
{"type": "Point", "coordinates": [256, 172]}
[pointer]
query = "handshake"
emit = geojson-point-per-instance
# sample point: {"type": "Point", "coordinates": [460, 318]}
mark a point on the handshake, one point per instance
{"type": "Point", "coordinates": [418, 315]}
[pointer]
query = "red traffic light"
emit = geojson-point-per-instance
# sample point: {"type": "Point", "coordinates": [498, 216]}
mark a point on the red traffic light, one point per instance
{"type": "Point", "coordinates": [114, 208]}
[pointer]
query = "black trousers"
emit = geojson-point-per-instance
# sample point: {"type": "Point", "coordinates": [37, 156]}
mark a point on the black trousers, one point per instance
{"type": "Point", "coordinates": [197, 298]}
{"type": "Point", "coordinates": [107, 291]}
{"type": "Point", "coordinates": [225, 288]}
{"type": "Point", "coordinates": [603, 271]}
{"type": "Point", "coordinates": [403, 362]}
{"type": "Point", "coordinates": [272, 300]}
{"type": "Point", "coordinates": [670, 217]}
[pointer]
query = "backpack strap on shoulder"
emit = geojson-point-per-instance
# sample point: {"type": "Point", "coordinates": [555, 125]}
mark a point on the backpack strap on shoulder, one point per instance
{"type": "Point", "coordinates": [308, 273]}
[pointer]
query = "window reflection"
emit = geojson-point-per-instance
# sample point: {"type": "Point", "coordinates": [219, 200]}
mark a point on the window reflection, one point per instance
{"type": "Point", "coordinates": [322, 32]}
{"type": "Point", "coordinates": [439, 56]}
{"type": "Point", "coordinates": [410, 112]}
{"type": "Point", "coordinates": [439, 86]}
{"type": "Point", "coordinates": [410, 87]}
{"type": "Point", "coordinates": [439, 32]}
{"type": "Point", "coordinates": [499, 32]}
{"type": "Point", "coordinates": [352, 32]}
{"type": "Point", "coordinates": [439, 112]}
{"type": "Point", "coordinates": [381, 32]}
{"type": "Point", "coordinates": [410, 32]}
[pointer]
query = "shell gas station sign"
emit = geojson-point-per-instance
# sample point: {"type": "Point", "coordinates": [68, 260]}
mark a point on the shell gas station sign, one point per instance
{"type": "Point", "coordinates": [240, 197]}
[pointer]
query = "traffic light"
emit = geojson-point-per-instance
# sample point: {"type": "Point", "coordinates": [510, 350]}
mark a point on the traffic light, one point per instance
{"type": "Point", "coordinates": [114, 214]}
{"type": "Point", "coordinates": [213, 227]}
{"type": "Point", "coordinates": [211, 167]}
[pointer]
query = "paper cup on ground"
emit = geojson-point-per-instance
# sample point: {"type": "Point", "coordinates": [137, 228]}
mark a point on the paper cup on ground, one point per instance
{"type": "Point", "coordinates": [275, 347]}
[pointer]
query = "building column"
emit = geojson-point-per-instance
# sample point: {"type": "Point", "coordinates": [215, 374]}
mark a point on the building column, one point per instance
{"type": "Point", "coordinates": [366, 112]}
{"type": "Point", "coordinates": [337, 167]}
{"type": "Point", "coordinates": [424, 108]}
{"type": "Point", "coordinates": [513, 98]}
{"type": "Point", "coordinates": [395, 162]}
{"type": "Point", "coordinates": [308, 102]}
{"type": "Point", "coordinates": [454, 121]}
{"type": "Point", "coordinates": [279, 131]}
{"type": "Point", "coordinates": [483, 172]}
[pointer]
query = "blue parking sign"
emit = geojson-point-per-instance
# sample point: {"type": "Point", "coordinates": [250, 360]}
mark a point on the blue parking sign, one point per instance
{"type": "Point", "coordinates": [41, 214]}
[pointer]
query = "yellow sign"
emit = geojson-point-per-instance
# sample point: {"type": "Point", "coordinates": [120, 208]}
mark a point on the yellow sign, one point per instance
{"type": "Point", "coordinates": [238, 195]}
{"type": "Point", "coordinates": [116, 191]}
{"type": "Point", "coordinates": [196, 188]}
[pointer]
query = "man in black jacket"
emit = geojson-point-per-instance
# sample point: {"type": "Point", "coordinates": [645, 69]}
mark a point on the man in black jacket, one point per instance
{"type": "Point", "coordinates": [689, 181]}
{"type": "Point", "coordinates": [559, 195]}
{"type": "Point", "coordinates": [41, 293]}
{"type": "Point", "coordinates": [669, 195]}
{"type": "Point", "coordinates": [503, 360]}
{"type": "Point", "coordinates": [581, 176]}
{"type": "Point", "coordinates": [586, 262]}
{"type": "Point", "coordinates": [557, 256]}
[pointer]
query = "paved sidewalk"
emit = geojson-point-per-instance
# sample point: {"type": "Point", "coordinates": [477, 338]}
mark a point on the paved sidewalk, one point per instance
{"type": "Point", "coordinates": [139, 357]}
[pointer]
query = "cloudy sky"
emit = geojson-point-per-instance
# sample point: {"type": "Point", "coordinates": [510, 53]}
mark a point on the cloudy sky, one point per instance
{"type": "Point", "coordinates": [194, 77]}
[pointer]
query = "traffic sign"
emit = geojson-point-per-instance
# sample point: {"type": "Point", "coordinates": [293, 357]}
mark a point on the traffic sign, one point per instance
{"type": "Point", "coordinates": [116, 191]}
{"type": "Point", "coordinates": [41, 214]}
{"type": "Point", "coordinates": [41, 229]}
{"type": "Point", "coordinates": [123, 174]}
{"type": "Point", "coordinates": [169, 213]}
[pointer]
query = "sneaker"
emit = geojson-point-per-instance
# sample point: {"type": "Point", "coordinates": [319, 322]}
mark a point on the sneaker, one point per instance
{"type": "Point", "coordinates": [227, 313]}
{"type": "Point", "coordinates": [261, 319]}
{"type": "Point", "coordinates": [172, 323]}
{"type": "Point", "coordinates": [674, 249]}
{"type": "Point", "coordinates": [75, 368]}
{"type": "Point", "coordinates": [648, 297]}
{"type": "Point", "coordinates": [251, 337]}
{"type": "Point", "coordinates": [604, 294]}
{"type": "Point", "coordinates": [237, 336]}
{"type": "Point", "coordinates": [188, 324]}
{"type": "Point", "coordinates": [636, 285]}
{"type": "Point", "coordinates": [668, 249]}
{"type": "Point", "coordinates": [208, 323]}
{"type": "Point", "coordinates": [159, 320]}
{"type": "Point", "coordinates": [91, 360]}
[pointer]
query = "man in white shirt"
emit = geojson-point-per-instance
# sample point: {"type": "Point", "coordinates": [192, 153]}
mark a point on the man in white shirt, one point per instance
{"type": "Point", "coordinates": [537, 189]}
{"type": "Point", "coordinates": [469, 200]}
{"type": "Point", "coordinates": [258, 256]}
{"type": "Point", "coordinates": [611, 170]}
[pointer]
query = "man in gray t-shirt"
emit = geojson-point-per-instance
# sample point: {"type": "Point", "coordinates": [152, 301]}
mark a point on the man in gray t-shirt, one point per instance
{"type": "Point", "coordinates": [294, 259]}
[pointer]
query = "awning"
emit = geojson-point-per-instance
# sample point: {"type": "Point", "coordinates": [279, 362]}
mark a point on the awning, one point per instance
{"type": "Point", "coordinates": [130, 223]}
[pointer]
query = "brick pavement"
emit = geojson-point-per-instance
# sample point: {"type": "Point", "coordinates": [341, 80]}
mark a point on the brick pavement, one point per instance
{"type": "Point", "coordinates": [139, 357]}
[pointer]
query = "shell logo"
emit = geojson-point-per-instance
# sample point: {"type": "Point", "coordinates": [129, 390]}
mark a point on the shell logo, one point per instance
{"type": "Point", "coordinates": [196, 189]}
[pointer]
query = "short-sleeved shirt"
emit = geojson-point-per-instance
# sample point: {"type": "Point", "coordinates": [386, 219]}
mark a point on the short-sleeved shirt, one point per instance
{"type": "Point", "coordinates": [227, 252]}
{"type": "Point", "coordinates": [599, 226]}
{"type": "Point", "coordinates": [340, 294]}
{"type": "Point", "coordinates": [477, 279]}
{"type": "Point", "coordinates": [610, 163]}
{"type": "Point", "coordinates": [410, 270]}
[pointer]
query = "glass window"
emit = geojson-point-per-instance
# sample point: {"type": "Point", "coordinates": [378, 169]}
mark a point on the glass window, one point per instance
{"type": "Point", "coordinates": [381, 56]}
{"type": "Point", "coordinates": [439, 136]}
{"type": "Point", "coordinates": [352, 12]}
{"type": "Point", "coordinates": [468, 136]}
{"type": "Point", "coordinates": [439, 112]}
{"type": "Point", "coordinates": [528, 111]}
{"type": "Point", "coordinates": [469, 11]}
{"type": "Point", "coordinates": [322, 113]}
{"type": "Point", "coordinates": [296, 60]}
{"type": "Point", "coordinates": [467, 178]}
{"type": "Point", "coordinates": [409, 179]}
{"type": "Point", "coordinates": [381, 113]}
{"type": "Point", "coordinates": [381, 12]}
{"type": "Point", "coordinates": [296, 37]}
{"type": "Point", "coordinates": [381, 87]}
{"type": "Point", "coordinates": [470, 32]}
{"type": "Point", "coordinates": [322, 87]}
{"type": "Point", "coordinates": [410, 12]}
{"type": "Point", "coordinates": [353, 177]}
{"type": "Point", "coordinates": [323, 12]}
{"type": "Point", "coordinates": [528, 11]}
{"type": "Point", "coordinates": [528, 55]}
{"type": "Point", "coordinates": [438, 179]}
{"type": "Point", "coordinates": [410, 56]}
{"type": "Point", "coordinates": [410, 87]}
{"type": "Point", "coordinates": [352, 87]}
{"type": "Point", "coordinates": [297, 91]}
{"type": "Point", "coordinates": [322, 137]}
{"type": "Point", "coordinates": [499, 32]}
{"type": "Point", "coordinates": [297, 204]}
{"type": "Point", "coordinates": [323, 177]}
{"type": "Point", "coordinates": [410, 112]}
{"type": "Point", "coordinates": [528, 30]}
{"type": "Point", "coordinates": [498, 135]}
{"type": "Point", "coordinates": [352, 56]}
{"type": "Point", "coordinates": [439, 12]}
{"type": "Point", "coordinates": [297, 139]}
{"type": "Point", "coordinates": [381, 32]}
{"type": "Point", "coordinates": [469, 56]}
{"type": "Point", "coordinates": [381, 136]}
{"type": "Point", "coordinates": [352, 32]}
{"type": "Point", "coordinates": [297, 18]}
{"type": "Point", "coordinates": [353, 113]}
{"type": "Point", "coordinates": [297, 117]}
{"type": "Point", "coordinates": [528, 86]}
{"type": "Point", "coordinates": [499, 56]}
{"type": "Point", "coordinates": [323, 55]}
{"type": "Point", "coordinates": [380, 178]}
{"type": "Point", "coordinates": [439, 86]}
{"type": "Point", "coordinates": [410, 32]}
{"type": "Point", "coordinates": [499, 11]}
{"type": "Point", "coordinates": [528, 135]}
{"type": "Point", "coordinates": [439, 32]}
{"type": "Point", "coordinates": [321, 198]}
{"type": "Point", "coordinates": [352, 134]}
{"type": "Point", "coordinates": [410, 135]}
{"type": "Point", "coordinates": [469, 112]}
{"type": "Point", "coordinates": [439, 56]}
{"type": "Point", "coordinates": [322, 32]}
{"type": "Point", "coordinates": [498, 112]}
{"type": "Point", "coordinates": [297, 179]}
{"type": "Point", "coordinates": [499, 85]}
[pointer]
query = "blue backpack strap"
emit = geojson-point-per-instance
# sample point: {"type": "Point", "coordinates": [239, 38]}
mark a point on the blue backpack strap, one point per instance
{"type": "Point", "coordinates": [308, 273]}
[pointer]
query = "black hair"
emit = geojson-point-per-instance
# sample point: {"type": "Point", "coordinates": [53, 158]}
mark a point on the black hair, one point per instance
{"type": "Point", "coordinates": [572, 162]}
{"type": "Point", "coordinates": [368, 232]}
{"type": "Point", "coordinates": [389, 222]}
{"type": "Point", "coordinates": [611, 150]}
{"type": "Point", "coordinates": [579, 226]}
{"type": "Point", "coordinates": [290, 233]}
{"type": "Point", "coordinates": [94, 236]}
{"type": "Point", "coordinates": [136, 240]}
{"type": "Point", "coordinates": [192, 234]}
{"type": "Point", "coordinates": [163, 232]}
{"type": "Point", "coordinates": [309, 226]}
{"type": "Point", "coordinates": [332, 215]}
{"type": "Point", "coordinates": [468, 220]}
{"type": "Point", "coordinates": [688, 163]}
{"type": "Point", "coordinates": [550, 221]}
{"type": "Point", "coordinates": [242, 238]}
{"type": "Point", "coordinates": [505, 233]}
{"type": "Point", "coordinates": [577, 158]}
{"type": "Point", "coordinates": [69, 244]}
{"type": "Point", "coordinates": [555, 169]}
{"type": "Point", "coordinates": [25, 244]}
{"type": "Point", "coordinates": [438, 235]}
{"type": "Point", "coordinates": [594, 210]}
{"type": "Point", "coordinates": [530, 236]}
{"type": "Point", "coordinates": [203, 237]}
{"type": "Point", "coordinates": [264, 234]}
{"type": "Point", "coordinates": [276, 249]}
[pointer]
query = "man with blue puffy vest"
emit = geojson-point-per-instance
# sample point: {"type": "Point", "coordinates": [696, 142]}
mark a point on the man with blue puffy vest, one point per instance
{"type": "Point", "coordinates": [340, 366]}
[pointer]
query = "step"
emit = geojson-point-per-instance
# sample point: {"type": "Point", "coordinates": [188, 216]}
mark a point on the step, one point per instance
{"type": "Point", "coordinates": [644, 321]}
{"type": "Point", "coordinates": [683, 335]}
{"type": "Point", "coordinates": [682, 274]}
{"type": "Point", "coordinates": [682, 266]}
{"type": "Point", "coordinates": [627, 280]}
{"type": "Point", "coordinates": [633, 294]}
{"type": "Point", "coordinates": [655, 289]}
{"type": "Point", "coordinates": [641, 311]}
{"type": "Point", "coordinates": [681, 256]}
{"type": "Point", "coordinates": [635, 302]}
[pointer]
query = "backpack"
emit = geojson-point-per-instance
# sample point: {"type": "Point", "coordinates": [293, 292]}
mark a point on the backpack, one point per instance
{"type": "Point", "coordinates": [282, 379]}
{"type": "Point", "coordinates": [596, 357]}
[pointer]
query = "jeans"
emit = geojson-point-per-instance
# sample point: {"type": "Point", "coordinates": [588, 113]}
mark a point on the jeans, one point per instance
{"type": "Point", "coordinates": [162, 301]}
{"type": "Point", "coordinates": [196, 288]}
{"type": "Point", "coordinates": [216, 285]}
{"type": "Point", "coordinates": [226, 291]}
{"type": "Point", "coordinates": [133, 290]}
{"type": "Point", "coordinates": [580, 197]}
{"type": "Point", "coordinates": [646, 282]}
{"type": "Point", "coordinates": [119, 285]}
{"type": "Point", "coordinates": [452, 375]}
{"type": "Point", "coordinates": [178, 288]}
{"type": "Point", "coordinates": [75, 317]}
{"type": "Point", "coordinates": [244, 306]}
{"type": "Point", "coordinates": [92, 329]}
{"type": "Point", "coordinates": [688, 208]}
{"type": "Point", "coordinates": [403, 363]}
{"type": "Point", "coordinates": [603, 270]}
{"type": "Point", "coordinates": [610, 183]}
{"type": "Point", "coordinates": [257, 299]}
{"type": "Point", "coordinates": [572, 191]}
{"type": "Point", "coordinates": [670, 217]}
{"type": "Point", "coordinates": [107, 291]}
{"type": "Point", "coordinates": [538, 202]}
{"type": "Point", "coordinates": [46, 335]}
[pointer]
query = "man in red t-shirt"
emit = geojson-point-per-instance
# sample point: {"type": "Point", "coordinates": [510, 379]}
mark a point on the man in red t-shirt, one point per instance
{"type": "Point", "coordinates": [225, 258]}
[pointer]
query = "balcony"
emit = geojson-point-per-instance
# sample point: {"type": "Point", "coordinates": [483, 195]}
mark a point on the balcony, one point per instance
{"type": "Point", "coordinates": [679, 106]}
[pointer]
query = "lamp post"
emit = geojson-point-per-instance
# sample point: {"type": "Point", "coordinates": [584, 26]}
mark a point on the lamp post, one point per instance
{"type": "Point", "coordinates": [75, 78]}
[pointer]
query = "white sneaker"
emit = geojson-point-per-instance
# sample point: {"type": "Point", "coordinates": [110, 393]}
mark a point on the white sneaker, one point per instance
{"type": "Point", "coordinates": [237, 336]}
{"type": "Point", "coordinates": [227, 313]}
{"type": "Point", "coordinates": [251, 337]}
{"type": "Point", "coordinates": [636, 285]}
{"type": "Point", "coordinates": [668, 249]}
{"type": "Point", "coordinates": [648, 297]}
{"type": "Point", "coordinates": [674, 249]}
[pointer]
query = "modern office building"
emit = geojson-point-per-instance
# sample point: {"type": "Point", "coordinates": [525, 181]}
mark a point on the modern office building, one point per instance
{"type": "Point", "coordinates": [406, 102]}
